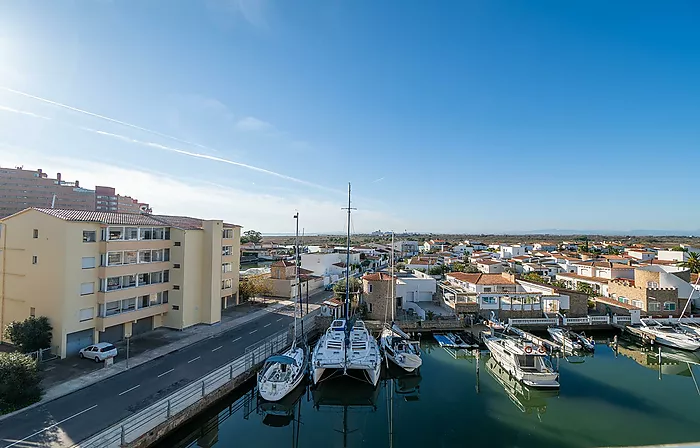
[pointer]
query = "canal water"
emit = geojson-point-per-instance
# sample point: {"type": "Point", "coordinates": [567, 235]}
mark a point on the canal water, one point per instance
{"type": "Point", "coordinates": [613, 398]}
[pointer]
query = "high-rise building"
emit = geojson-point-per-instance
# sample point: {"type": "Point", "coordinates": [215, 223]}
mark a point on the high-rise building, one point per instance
{"type": "Point", "coordinates": [101, 276]}
{"type": "Point", "coordinates": [20, 189]}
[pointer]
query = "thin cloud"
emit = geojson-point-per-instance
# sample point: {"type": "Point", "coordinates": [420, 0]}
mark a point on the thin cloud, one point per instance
{"type": "Point", "coordinates": [23, 112]}
{"type": "Point", "coordinates": [377, 180]}
{"type": "Point", "coordinates": [103, 117]}
{"type": "Point", "coordinates": [253, 124]}
{"type": "Point", "coordinates": [206, 157]}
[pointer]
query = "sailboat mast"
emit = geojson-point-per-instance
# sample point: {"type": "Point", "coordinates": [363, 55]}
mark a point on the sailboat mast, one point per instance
{"type": "Point", "coordinates": [296, 275]}
{"type": "Point", "coordinates": [347, 264]}
{"type": "Point", "coordinates": [393, 281]}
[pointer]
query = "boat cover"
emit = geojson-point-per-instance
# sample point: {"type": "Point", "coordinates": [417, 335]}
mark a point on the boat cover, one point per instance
{"type": "Point", "coordinates": [281, 359]}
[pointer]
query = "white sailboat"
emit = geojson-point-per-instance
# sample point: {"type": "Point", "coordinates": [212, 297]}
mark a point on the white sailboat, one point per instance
{"type": "Point", "coordinates": [669, 336]}
{"type": "Point", "coordinates": [283, 373]}
{"type": "Point", "coordinates": [524, 360]}
{"type": "Point", "coordinates": [347, 347]}
{"type": "Point", "coordinates": [396, 345]}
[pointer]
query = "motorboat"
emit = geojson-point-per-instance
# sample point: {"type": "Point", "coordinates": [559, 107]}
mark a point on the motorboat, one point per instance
{"type": "Point", "coordinates": [526, 399]}
{"type": "Point", "coordinates": [451, 340]}
{"type": "Point", "coordinates": [347, 348]}
{"type": "Point", "coordinates": [667, 335]}
{"type": "Point", "coordinates": [562, 336]}
{"type": "Point", "coordinates": [526, 361]}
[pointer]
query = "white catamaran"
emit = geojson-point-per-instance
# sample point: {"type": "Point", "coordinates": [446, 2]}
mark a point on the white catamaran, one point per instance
{"type": "Point", "coordinates": [524, 360]}
{"type": "Point", "coordinates": [396, 344]}
{"type": "Point", "coordinates": [282, 373]}
{"type": "Point", "coordinates": [347, 347]}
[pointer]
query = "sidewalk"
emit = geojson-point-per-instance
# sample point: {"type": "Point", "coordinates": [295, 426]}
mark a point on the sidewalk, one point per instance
{"type": "Point", "coordinates": [197, 334]}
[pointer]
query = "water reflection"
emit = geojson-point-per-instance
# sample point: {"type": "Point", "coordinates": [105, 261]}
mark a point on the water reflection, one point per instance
{"type": "Point", "coordinates": [526, 399]}
{"type": "Point", "coordinates": [281, 413]}
{"type": "Point", "coordinates": [666, 360]}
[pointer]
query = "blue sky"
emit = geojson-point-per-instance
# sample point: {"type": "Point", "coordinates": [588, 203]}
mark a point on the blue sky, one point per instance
{"type": "Point", "coordinates": [463, 116]}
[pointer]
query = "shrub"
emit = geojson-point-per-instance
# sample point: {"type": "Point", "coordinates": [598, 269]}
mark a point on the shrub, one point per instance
{"type": "Point", "coordinates": [31, 334]}
{"type": "Point", "coordinates": [19, 382]}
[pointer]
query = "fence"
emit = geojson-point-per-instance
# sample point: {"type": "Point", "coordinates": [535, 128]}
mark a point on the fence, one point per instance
{"type": "Point", "coordinates": [589, 320]}
{"type": "Point", "coordinates": [133, 427]}
{"type": "Point", "coordinates": [45, 354]}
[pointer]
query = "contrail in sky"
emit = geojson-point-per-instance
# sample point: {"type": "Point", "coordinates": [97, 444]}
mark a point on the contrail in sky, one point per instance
{"type": "Point", "coordinates": [102, 117]}
{"type": "Point", "coordinates": [155, 145]}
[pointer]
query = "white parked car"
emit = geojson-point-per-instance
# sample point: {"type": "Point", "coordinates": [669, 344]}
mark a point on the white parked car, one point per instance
{"type": "Point", "coordinates": [99, 352]}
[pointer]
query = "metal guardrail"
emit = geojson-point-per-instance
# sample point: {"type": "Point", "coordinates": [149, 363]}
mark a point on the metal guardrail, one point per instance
{"type": "Point", "coordinates": [149, 418]}
{"type": "Point", "coordinates": [45, 354]}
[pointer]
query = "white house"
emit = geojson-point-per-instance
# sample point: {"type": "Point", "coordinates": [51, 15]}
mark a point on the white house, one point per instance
{"type": "Point", "coordinates": [421, 264]}
{"type": "Point", "coordinates": [462, 249]}
{"type": "Point", "coordinates": [545, 270]}
{"type": "Point", "coordinates": [477, 245]}
{"type": "Point", "coordinates": [489, 266]}
{"type": "Point", "coordinates": [413, 290]}
{"type": "Point", "coordinates": [672, 255]}
{"type": "Point", "coordinates": [327, 265]}
{"type": "Point", "coordinates": [546, 247]}
{"type": "Point", "coordinates": [641, 254]}
{"type": "Point", "coordinates": [406, 248]}
{"type": "Point", "coordinates": [512, 251]}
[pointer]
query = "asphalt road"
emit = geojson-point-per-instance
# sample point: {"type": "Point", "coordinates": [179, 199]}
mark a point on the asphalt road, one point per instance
{"type": "Point", "coordinates": [74, 417]}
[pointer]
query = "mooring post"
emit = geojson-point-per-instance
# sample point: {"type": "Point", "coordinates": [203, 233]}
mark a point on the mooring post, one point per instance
{"type": "Point", "coordinates": [123, 436]}
{"type": "Point", "coordinates": [167, 415]}
{"type": "Point", "coordinates": [203, 388]}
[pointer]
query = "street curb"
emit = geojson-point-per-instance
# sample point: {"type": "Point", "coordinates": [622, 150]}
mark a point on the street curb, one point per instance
{"type": "Point", "coordinates": [111, 373]}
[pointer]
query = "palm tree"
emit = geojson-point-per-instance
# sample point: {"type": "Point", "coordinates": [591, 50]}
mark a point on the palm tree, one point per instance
{"type": "Point", "coordinates": [692, 263]}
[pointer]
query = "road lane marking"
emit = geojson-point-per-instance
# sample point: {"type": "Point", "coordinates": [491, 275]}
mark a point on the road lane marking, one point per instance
{"type": "Point", "coordinates": [267, 325]}
{"type": "Point", "coordinates": [129, 390]}
{"type": "Point", "coordinates": [252, 331]}
{"type": "Point", "coordinates": [279, 319]}
{"type": "Point", "coordinates": [213, 350]}
{"type": "Point", "coordinates": [193, 360]}
{"type": "Point", "coordinates": [237, 339]}
{"type": "Point", "coordinates": [52, 426]}
{"type": "Point", "coordinates": [165, 373]}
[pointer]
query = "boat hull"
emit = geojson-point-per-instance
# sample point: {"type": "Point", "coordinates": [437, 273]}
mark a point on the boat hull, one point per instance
{"type": "Point", "coordinates": [539, 380]}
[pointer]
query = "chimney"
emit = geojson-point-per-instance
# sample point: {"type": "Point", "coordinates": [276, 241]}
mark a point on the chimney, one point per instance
{"type": "Point", "coordinates": [58, 177]}
{"type": "Point", "coordinates": [77, 183]}
{"type": "Point", "coordinates": [39, 171]}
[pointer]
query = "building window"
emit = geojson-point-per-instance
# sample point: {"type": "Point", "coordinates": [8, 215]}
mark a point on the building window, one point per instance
{"type": "Point", "coordinates": [653, 306]}
{"type": "Point", "coordinates": [370, 288]}
{"type": "Point", "coordinates": [176, 243]}
{"type": "Point", "coordinates": [131, 257]}
{"type": "Point", "coordinates": [88, 262]}
{"type": "Point", "coordinates": [166, 276]}
{"type": "Point", "coordinates": [488, 300]}
{"type": "Point", "coordinates": [89, 236]}
{"type": "Point", "coordinates": [176, 265]}
{"type": "Point", "coordinates": [35, 233]}
{"type": "Point", "coordinates": [32, 312]}
{"type": "Point", "coordinates": [227, 234]}
{"type": "Point", "coordinates": [226, 250]}
{"type": "Point", "coordinates": [115, 233]}
{"type": "Point", "coordinates": [114, 283]}
{"type": "Point", "coordinates": [35, 259]}
{"type": "Point", "coordinates": [86, 314]}
{"type": "Point", "coordinates": [226, 267]}
{"type": "Point", "coordinates": [114, 258]}
{"type": "Point", "coordinates": [176, 307]}
{"type": "Point", "coordinates": [227, 283]}
{"type": "Point", "coordinates": [166, 254]}
{"type": "Point", "coordinates": [487, 289]}
{"type": "Point", "coordinates": [145, 256]}
{"type": "Point", "coordinates": [129, 281]}
{"type": "Point", "coordinates": [669, 306]}
{"type": "Point", "coordinates": [370, 306]}
{"type": "Point", "coordinates": [176, 287]}
{"type": "Point", "coordinates": [637, 303]}
{"type": "Point", "coordinates": [132, 233]}
{"type": "Point", "coordinates": [87, 288]}
{"type": "Point", "coordinates": [144, 279]}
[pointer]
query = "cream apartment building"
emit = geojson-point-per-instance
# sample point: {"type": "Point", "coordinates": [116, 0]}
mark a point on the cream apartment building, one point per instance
{"type": "Point", "coordinates": [102, 276]}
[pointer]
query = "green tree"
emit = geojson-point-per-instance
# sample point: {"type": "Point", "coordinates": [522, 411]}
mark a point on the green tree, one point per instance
{"type": "Point", "coordinates": [19, 382]}
{"type": "Point", "coordinates": [471, 269]}
{"type": "Point", "coordinates": [355, 287]}
{"type": "Point", "coordinates": [534, 277]}
{"type": "Point", "coordinates": [31, 334]}
{"type": "Point", "coordinates": [253, 286]}
{"type": "Point", "coordinates": [679, 249]}
{"type": "Point", "coordinates": [458, 267]}
{"type": "Point", "coordinates": [692, 263]}
{"type": "Point", "coordinates": [586, 289]}
{"type": "Point", "coordinates": [251, 236]}
{"type": "Point", "coordinates": [559, 284]}
{"type": "Point", "coordinates": [436, 270]}
{"type": "Point", "coordinates": [400, 266]}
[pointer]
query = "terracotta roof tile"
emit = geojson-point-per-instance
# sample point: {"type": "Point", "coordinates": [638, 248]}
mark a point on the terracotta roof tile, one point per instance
{"type": "Point", "coordinates": [376, 277]}
{"type": "Point", "coordinates": [481, 279]}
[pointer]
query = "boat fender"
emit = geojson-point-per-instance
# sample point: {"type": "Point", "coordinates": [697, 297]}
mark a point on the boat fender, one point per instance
{"type": "Point", "coordinates": [542, 349]}
{"type": "Point", "coordinates": [528, 349]}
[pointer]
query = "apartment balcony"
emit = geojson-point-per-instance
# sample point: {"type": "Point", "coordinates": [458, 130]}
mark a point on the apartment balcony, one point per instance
{"type": "Point", "coordinates": [116, 245]}
{"type": "Point", "coordinates": [134, 268]}
{"type": "Point", "coordinates": [103, 322]}
{"type": "Point", "coordinates": [127, 293]}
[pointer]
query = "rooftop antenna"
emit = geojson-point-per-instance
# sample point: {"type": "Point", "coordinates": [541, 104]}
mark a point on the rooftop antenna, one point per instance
{"type": "Point", "coordinates": [53, 201]}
